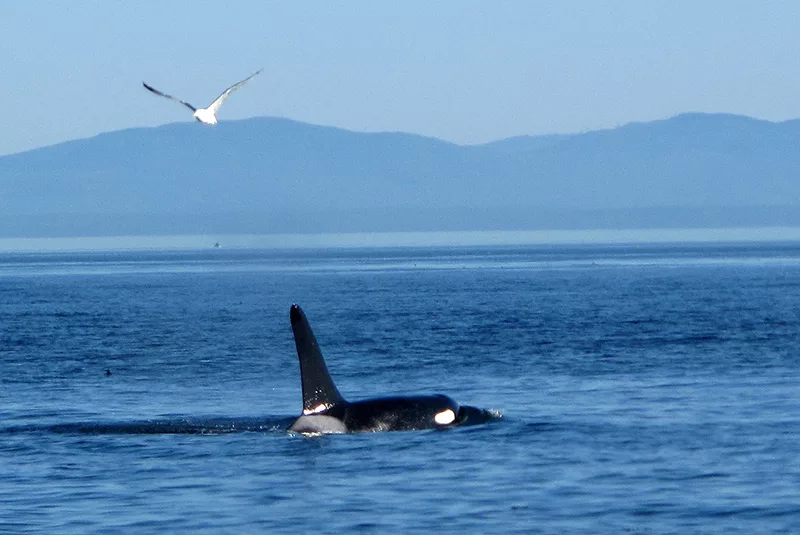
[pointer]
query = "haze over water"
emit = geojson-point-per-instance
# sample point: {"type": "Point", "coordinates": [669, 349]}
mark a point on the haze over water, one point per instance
{"type": "Point", "coordinates": [403, 239]}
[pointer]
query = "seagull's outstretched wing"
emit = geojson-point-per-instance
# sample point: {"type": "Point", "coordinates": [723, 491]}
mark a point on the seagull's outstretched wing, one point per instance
{"type": "Point", "coordinates": [214, 106]}
{"type": "Point", "coordinates": [159, 93]}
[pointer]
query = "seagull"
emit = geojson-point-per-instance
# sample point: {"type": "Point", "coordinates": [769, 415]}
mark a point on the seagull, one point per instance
{"type": "Point", "coordinates": [205, 115]}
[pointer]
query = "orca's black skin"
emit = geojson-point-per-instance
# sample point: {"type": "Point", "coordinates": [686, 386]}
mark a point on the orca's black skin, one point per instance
{"type": "Point", "coordinates": [326, 411]}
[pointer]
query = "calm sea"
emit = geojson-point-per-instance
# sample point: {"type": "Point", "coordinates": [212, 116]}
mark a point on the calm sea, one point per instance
{"type": "Point", "coordinates": [644, 389]}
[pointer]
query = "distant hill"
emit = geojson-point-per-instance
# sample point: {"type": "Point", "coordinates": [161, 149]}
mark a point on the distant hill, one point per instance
{"type": "Point", "coordinates": [268, 175]}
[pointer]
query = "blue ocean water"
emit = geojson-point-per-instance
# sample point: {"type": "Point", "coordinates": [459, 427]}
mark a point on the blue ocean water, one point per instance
{"type": "Point", "coordinates": [644, 389]}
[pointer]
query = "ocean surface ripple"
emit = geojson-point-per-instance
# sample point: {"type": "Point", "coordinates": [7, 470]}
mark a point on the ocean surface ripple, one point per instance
{"type": "Point", "coordinates": [643, 389]}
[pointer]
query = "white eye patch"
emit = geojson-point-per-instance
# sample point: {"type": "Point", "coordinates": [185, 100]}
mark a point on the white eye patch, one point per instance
{"type": "Point", "coordinates": [445, 417]}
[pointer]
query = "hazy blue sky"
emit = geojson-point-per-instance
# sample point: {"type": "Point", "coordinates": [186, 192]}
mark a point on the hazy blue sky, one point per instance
{"type": "Point", "coordinates": [464, 71]}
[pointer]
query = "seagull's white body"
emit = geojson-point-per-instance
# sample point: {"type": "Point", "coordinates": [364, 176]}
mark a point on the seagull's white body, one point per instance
{"type": "Point", "coordinates": [206, 115]}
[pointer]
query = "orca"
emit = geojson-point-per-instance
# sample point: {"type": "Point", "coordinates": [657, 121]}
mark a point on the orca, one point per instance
{"type": "Point", "coordinates": [325, 411]}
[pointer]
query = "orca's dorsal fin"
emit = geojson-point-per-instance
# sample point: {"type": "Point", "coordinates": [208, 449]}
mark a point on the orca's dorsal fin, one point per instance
{"type": "Point", "coordinates": [319, 391]}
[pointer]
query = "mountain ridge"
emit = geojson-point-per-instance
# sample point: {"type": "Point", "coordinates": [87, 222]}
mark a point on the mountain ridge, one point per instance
{"type": "Point", "coordinates": [269, 174]}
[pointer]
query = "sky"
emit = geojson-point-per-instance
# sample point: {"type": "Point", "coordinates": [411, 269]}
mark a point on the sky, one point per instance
{"type": "Point", "coordinates": [464, 71]}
